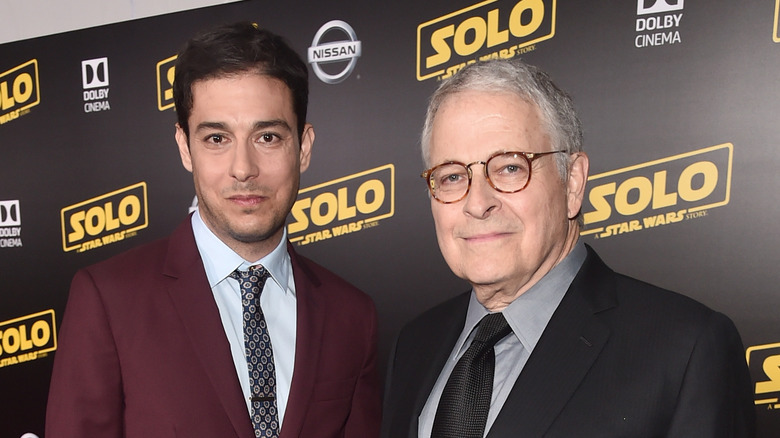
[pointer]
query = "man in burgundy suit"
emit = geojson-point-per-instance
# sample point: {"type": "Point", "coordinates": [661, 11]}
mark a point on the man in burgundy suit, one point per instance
{"type": "Point", "coordinates": [153, 344]}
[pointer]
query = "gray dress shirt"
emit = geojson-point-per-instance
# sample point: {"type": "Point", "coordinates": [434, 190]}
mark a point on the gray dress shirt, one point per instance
{"type": "Point", "coordinates": [528, 316]}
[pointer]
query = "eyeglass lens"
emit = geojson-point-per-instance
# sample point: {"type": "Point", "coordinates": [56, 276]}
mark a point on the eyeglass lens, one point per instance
{"type": "Point", "coordinates": [507, 172]}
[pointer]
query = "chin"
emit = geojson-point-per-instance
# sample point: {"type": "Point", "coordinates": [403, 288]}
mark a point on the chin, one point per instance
{"type": "Point", "coordinates": [480, 274]}
{"type": "Point", "coordinates": [250, 236]}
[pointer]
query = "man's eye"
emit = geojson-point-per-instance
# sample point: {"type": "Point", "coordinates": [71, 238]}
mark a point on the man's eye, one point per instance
{"type": "Point", "coordinates": [267, 137]}
{"type": "Point", "coordinates": [215, 138]}
{"type": "Point", "coordinates": [452, 178]}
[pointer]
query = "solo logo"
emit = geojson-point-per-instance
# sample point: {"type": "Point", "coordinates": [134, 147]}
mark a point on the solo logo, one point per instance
{"type": "Point", "coordinates": [165, 73]}
{"type": "Point", "coordinates": [764, 364]}
{"type": "Point", "coordinates": [10, 224]}
{"type": "Point", "coordinates": [19, 91]}
{"type": "Point", "coordinates": [348, 51]}
{"type": "Point", "coordinates": [27, 338]}
{"type": "Point", "coordinates": [94, 79]}
{"type": "Point", "coordinates": [342, 206]}
{"type": "Point", "coordinates": [659, 192]}
{"type": "Point", "coordinates": [489, 29]}
{"type": "Point", "coordinates": [105, 219]}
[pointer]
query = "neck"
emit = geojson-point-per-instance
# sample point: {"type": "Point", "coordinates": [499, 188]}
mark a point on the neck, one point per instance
{"type": "Point", "coordinates": [254, 251]}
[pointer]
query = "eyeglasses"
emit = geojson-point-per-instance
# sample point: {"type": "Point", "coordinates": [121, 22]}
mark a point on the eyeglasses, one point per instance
{"type": "Point", "coordinates": [506, 172]}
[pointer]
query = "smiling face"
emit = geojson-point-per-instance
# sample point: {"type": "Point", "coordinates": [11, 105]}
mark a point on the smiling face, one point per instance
{"type": "Point", "coordinates": [245, 157]}
{"type": "Point", "coordinates": [503, 243]}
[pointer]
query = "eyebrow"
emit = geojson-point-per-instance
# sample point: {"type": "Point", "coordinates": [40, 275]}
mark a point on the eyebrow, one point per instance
{"type": "Point", "coordinates": [259, 125]}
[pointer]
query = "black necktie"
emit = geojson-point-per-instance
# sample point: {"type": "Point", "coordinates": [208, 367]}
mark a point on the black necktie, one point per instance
{"type": "Point", "coordinates": [465, 401]}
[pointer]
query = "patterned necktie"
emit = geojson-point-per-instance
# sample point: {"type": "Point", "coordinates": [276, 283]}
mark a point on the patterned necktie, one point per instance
{"type": "Point", "coordinates": [259, 355]}
{"type": "Point", "coordinates": [465, 401]}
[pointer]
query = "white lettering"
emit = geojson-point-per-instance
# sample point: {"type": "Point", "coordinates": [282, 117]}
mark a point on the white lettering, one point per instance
{"type": "Point", "coordinates": [10, 232]}
{"type": "Point", "coordinates": [657, 39]}
{"type": "Point", "coordinates": [657, 23]}
{"type": "Point", "coordinates": [90, 107]}
{"type": "Point", "coordinates": [95, 94]}
{"type": "Point", "coordinates": [10, 243]}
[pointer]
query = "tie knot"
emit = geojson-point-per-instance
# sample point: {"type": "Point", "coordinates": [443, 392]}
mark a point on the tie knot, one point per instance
{"type": "Point", "coordinates": [492, 328]}
{"type": "Point", "coordinates": [256, 275]}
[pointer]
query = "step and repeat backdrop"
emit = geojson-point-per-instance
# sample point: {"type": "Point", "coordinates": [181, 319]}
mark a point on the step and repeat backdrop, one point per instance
{"type": "Point", "coordinates": [680, 102]}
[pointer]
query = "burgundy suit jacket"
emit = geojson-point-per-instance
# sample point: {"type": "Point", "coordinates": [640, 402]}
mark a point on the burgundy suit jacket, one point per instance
{"type": "Point", "coordinates": [143, 353]}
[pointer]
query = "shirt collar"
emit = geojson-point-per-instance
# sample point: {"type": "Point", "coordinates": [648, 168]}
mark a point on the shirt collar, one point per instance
{"type": "Point", "coordinates": [220, 261]}
{"type": "Point", "coordinates": [529, 313]}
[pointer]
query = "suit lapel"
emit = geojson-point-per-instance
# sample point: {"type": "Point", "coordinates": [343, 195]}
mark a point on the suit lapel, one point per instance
{"type": "Point", "coordinates": [437, 335]}
{"type": "Point", "coordinates": [192, 298]}
{"type": "Point", "coordinates": [309, 330]}
{"type": "Point", "coordinates": [568, 347]}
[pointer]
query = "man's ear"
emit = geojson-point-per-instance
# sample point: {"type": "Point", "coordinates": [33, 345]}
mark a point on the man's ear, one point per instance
{"type": "Point", "coordinates": [184, 148]}
{"type": "Point", "coordinates": [575, 184]}
{"type": "Point", "coordinates": [307, 141]}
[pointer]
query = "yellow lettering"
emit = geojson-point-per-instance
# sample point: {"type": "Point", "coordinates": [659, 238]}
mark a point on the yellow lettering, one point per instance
{"type": "Point", "coordinates": [516, 26]}
{"type": "Point", "coordinates": [345, 211]}
{"type": "Point", "coordinates": [170, 74]}
{"type": "Point", "coordinates": [495, 36]}
{"type": "Point", "coordinates": [41, 333]}
{"type": "Point", "coordinates": [75, 223]}
{"type": "Point", "coordinates": [685, 187]}
{"type": "Point", "coordinates": [25, 80]}
{"type": "Point", "coordinates": [329, 200]}
{"type": "Point", "coordinates": [301, 220]}
{"type": "Point", "coordinates": [660, 197]}
{"type": "Point", "coordinates": [112, 223]}
{"type": "Point", "coordinates": [24, 341]}
{"type": "Point", "coordinates": [8, 101]}
{"type": "Point", "coordinates": [645, 189]}
{"type": "Point", "coordinates": [596, 197]}
{"type": "Point", "coordinates": [441, 47]}
{"type": "Point", "coordinates": [772, 370]}
{"type": "Point", "coordinates": [11, 340]}
{"type": "Point", "coordinates": [95, 221]}
{"type": "Point", "coordinates": [372, 185]}
{"type": "Point", "coordinates": [129, 210]}
{"type": "Point", "coordinates": [477, 24]}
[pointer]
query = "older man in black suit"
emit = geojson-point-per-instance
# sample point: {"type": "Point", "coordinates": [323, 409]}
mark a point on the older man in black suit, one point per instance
{"type": "Point", "coordinates": [550, 341]}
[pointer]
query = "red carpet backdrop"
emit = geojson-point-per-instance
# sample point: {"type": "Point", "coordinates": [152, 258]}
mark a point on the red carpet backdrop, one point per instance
{"type": "Point", "coordinates": [679, 99]}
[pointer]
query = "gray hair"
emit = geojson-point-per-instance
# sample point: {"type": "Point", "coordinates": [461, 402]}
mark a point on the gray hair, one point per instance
{"type": "Point", "coordinates": [530, 84]}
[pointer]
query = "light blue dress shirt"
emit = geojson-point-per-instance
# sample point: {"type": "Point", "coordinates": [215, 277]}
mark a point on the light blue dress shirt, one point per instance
{"type": "Point", "coordinates": [528, 316]}
{"type": "Point", "coordinates": [278, 302]}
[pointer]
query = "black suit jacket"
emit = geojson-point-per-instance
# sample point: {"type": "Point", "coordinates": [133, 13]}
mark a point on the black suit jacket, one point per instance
{"type": "Point", "coordinates": [619, 358]}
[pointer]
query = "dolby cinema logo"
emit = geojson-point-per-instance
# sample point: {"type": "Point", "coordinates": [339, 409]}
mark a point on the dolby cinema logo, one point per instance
{"type": "Point", "coordinates": [658, 23]}
{"type": "Point", "coordinates": [10, 224]}
{"type": "Point", "coordinates": [94, 80]}
{"type": "Point", "coordinates": [334, 52]}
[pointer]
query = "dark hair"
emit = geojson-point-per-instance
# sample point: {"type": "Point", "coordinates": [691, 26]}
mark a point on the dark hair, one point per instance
{"type": "Point", "coordinates": [239, 48]}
